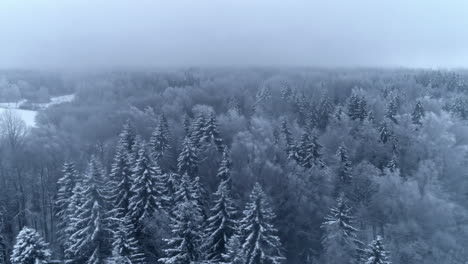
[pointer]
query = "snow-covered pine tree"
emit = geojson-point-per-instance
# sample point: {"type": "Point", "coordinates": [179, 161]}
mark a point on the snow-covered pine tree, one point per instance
{"type": "Point", "coordinates": [76, 201]}
{"type": "Point", "coordinates": [288, 139]}
{"type": "Point", "coordinates": [309, 151]}
{"type": "Point", "coordinates": [186, 222]}
{"type": "Point", "coordinates": [160, 139]}
{"type": "Point", "coordinates": [362, 109]}
{"type": "Point", "coordinates": [392, 110]}
{"type": "Point", "coordinates": [169, 183]}
{"type": "Point", "coordinates": [340, 242]}
{"type": "Point", "coordinates": [418, 113]}
{"type": "Point", "coordinates": [127, 137]}
{"type": "Point", "coordinates": [145, 189]}
{"type": "Point", "coordinates": [324, 110]}
{"type": "Point", "coordinates": [384, 134]}
{"type": "Point", "coordinates": [376, 253]}
{"type": "Point", "coordinates": [187, 162]}
{"type": "Point", "coordinates": [224, 170]}
{"type": "Point", "coordinates": [260, 243]}
{"type": "Point", "coordinates": [344, 170]}
{"type": "Point", "coordinates": [125, 248]}
{"type": "Point", "coordinates": [354, 105]}
{"type": "Point", "coordinates": [64, 194]}
{"type": "Point", "coordinates": [89, 242]}
{"type": "Point", "coordinates": [196, 133]}
{"type": "Point", "coordinates": [221, 224]}
{"type": "Point", "coordinates": [233, 253]}
{"type": "Point", "coordinates": [30, 248]}
{"type": "Point", "coordinates": [200, 195]}
{"type": "Point", "coordinates": [121, 181]}
{"type": "Point", "coordinates": [210, 133]}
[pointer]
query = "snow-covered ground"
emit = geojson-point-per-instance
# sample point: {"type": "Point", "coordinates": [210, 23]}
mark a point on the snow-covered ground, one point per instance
{"type": "Point", "coordinates": [29, 116]}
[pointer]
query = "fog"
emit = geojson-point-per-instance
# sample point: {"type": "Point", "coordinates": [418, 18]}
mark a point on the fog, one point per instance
{"type": "Point", "coordinates": [141, 34]}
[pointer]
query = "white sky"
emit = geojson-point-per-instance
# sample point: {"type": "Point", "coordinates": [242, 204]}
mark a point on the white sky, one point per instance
{"type": "Point", "coordinates": [143, 33]}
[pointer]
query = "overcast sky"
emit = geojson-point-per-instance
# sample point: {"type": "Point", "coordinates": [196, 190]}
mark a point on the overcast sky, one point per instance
{"type": "Point", "coordinates": [144, 33]}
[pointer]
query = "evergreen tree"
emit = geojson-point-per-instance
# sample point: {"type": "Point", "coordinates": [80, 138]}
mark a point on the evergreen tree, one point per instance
{"type": "Point", "coordinates": [324, 110]}
{"type": "Point", "coordinates": [392, 110]}
{"type": "Point", "coordinates": [384, 133]}
{"type": "Point", "coordinates": [376, 253]}
{"type": "Point", "coordinates": [169, 183]}
{"type": "Point", "coordinates": [145, 189]}
{"type": "Point", "coordinates": [344, 170]}
{"type": "Point", "coordinates": [160, 139]}
{"type": "Point", "coordinates": [221, 224]}
{"type": "Point", "coordinates": [121, 181]}
{"type": "Point", "coordinates": [362, 109]}
{"type": "Point", "coordinates": [30, 248]}
{"type": "Point", "coordinates": [127, 137]}
{"type": "Point", "coordinates": [233, 253]}
{"type": "Point", "coordinates": [260, 244]}
{"type": "Point", "coordinates": [200, 196]}
{"type": "Point", "coordinates": [340, 242]}
{"type": "Point", "coordinates": [210, 133]}
{"type": "Point", "coordinates": [309, 151]}
{"type": "Point", "coordinates": [89, 243]}
{"type": "Point", "coordinates": [187, 162]}
{"type": "Point", "coordinates": [76, 201]}
{"type": "Point", "coordinates": [224, 170]}
{"type": "Point", "coordinates": [418, 113]}
{"type": "Point", "coordinates": [354, 107]}
{"type": "Point", "coordinates": [64, 195]}
{"type": "Point", "coordinates": [197, 132]}
{"type": "Point", "coordinates": [125, 248]}
{"type": "Point", "coordinates": [184, 245]}
{"type": "Point", "coordinates": [288, 140]}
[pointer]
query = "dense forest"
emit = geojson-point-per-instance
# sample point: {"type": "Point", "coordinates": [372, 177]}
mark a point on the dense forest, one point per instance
{"type": "Point", "coordinates": [241, 166]}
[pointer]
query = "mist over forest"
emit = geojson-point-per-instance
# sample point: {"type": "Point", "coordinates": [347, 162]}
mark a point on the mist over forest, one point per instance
{"type": "Point", "coordinates": [233, 132]}
{"type": "Point", "coordinates": [235, 165]}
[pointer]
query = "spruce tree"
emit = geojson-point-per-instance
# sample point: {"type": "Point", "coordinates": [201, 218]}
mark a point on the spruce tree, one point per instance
{"type": "Point", "coordinates": [89, 242]}
{"type": "Point", "coordinates": [187, 162]}
{"type": "Point", "coordinates": [260, 243]}
{"type": "Point", "coordinates": [392, 111]}
{"type": "Point", "coordinates": [418, 113]}
{"type": "Point", "coordinates": [362, 109]}
{"type": "Point", "coordinates": [376, 253]}
{"type": "Point", "coordinates": [145, 188]}
{"type": "Point", "coordinates": [221, 224]}
{"type": "Point", "coordinates": [340, 242]}
{"type": "Point", "coordinates": [309, 151]}
{"type": "Point", "coordinates": [160, 139]}
{"type": "Point", "coordinates": [196, 133]}
{"type": "Point", "coordinates": [186, 221]}
{"type": "Point", "coordinates": [125, 247]}
{"type": "Point", "coordinates": [233, 253]}
{"type": "Point", "coordinates": [210, 133]}
{"type": "Point", "coordinates": [288, 140]}
{"type": "Point", "coordinates": [30, 248]}
{"type": "Point", "coordinates": [344, 170]}
{"type": "Point", "coordinates": [324, 110]}
{"type": "Point", "coordinates": [64, 195]}
{"type": "Point", "coordinates": [121, 181]}
{"type": "Point", "coordinates": [224, 170]}
{"type": "Point", "coordinates": [384, 134]}
{"type": "Point", "coordinates": [354, 106]}
{"type": "Point", "coordinates": [76, 201]}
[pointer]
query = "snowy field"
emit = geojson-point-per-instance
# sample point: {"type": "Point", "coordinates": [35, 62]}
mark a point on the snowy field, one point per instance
{"type": "Point", "coordinates": [29, 116]}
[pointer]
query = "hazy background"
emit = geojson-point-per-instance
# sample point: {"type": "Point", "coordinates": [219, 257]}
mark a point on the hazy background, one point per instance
{"type": "Point", "coordinates": [139, 34]}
